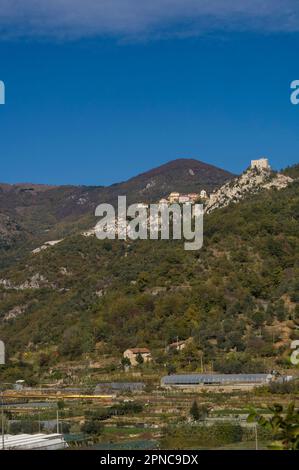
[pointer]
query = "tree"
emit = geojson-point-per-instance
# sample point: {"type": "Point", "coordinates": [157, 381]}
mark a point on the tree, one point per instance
{"type": "Point", "coordinates": [190, 356]}
{"type": "Point", "coordinates": [284, 425]}
{"type": "Point", "coordinates": [71, 344]}
{"type": "Point", "coordinates": [125, 362]}
{"type": "Point", "coordinates": [44, 359]}
{"type": "Point", "coordinates": [171, 369]}
{"type": "Point", "coordinates": [194, 411]}
{"type": "Point", "coordinates": [139, 359]}
{"type": "Point", "coordinates": [60, 405]}
{"type": "Point", "coordinates": [92, 426]}
{"type": "Point", "coordinates": [93, 421]}
{"type": "Point", "coordinates": [26, 426]}
{"type": "Point", "coordinates": [64, 427]}
{"type": "Point", "coordinates": [199, 412]}
{"type": "Point", "coordinates": [142, 281]}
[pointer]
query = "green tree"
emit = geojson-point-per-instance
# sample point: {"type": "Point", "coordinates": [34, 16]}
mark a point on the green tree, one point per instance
{"type": "Point", "coordinates": [194, 411]}
{"type": "Point", "coordinates": [93, 427]}
{"type": "Point", "coordinates": [71, 344]}
{"type": "Point", "coordinates": [139, 359]}
{"type": "Point", "coordinates": [60, 405]}
{"type": "Point", "coordinates": [284, 425]}
{"type": "Point", "coordinates": [125, 362]}
{"type": "Point", "coordinates": [171, 369]}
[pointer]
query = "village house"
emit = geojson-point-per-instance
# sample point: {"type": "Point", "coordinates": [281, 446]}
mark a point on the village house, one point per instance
{"type": "Point", "coordinates": [173, 197]}
{"type": "Point", "coordinates": [193, 197]}
{"type": "Point", "coordinates": [184, 199]}
{"type": "Point", "coordinates": [176, 346]}
{"type": "Point", "coordinates": [190, 198]}
{"type": "Point", "coordinates": [133, 353]}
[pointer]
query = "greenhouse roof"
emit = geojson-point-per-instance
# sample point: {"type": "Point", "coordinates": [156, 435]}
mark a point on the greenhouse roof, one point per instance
{"type": "Point", "coordinates": [196, 379]}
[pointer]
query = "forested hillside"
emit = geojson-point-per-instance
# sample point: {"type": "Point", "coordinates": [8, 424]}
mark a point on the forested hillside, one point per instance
{"type": "Point", "coordinates": [238, 297]}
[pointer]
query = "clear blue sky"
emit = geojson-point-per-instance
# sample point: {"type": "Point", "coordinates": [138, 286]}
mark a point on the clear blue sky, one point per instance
{"type": "Point", "coordinates": [99, 108]}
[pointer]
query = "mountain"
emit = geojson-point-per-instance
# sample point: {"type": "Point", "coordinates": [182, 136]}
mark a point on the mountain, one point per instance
{"type": "Point", "coordinates": [32, 214]}
{"type": "Point", "coordinates": [236, 298]}
{"type": "Point", "coordinates": [182, 175]}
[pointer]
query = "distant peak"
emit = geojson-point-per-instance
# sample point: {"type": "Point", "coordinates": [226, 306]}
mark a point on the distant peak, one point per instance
{"type": "Point", "coordinates": [182, 164]}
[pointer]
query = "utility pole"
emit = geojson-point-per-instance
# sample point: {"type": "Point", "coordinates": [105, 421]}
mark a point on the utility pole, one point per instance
{"type": "Point", "coordinates": [2, 419]}
{"type": "Point", "coordinates": [256, 438]}
{"type": "Point", "coordinates": [57, 421]}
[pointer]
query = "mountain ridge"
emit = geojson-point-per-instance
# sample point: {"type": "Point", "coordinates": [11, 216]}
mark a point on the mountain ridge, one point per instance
{"type": "Point", "coordinates": [233, 297]}
{"type": "Point", "coordinates": [38, 213]}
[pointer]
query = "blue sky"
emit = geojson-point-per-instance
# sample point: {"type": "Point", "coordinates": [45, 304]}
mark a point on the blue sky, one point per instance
{"type": "Point", "coordinates": [98, 96]}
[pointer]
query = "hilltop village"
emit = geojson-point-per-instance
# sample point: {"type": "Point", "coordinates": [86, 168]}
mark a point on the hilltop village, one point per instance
{"type": "Point", "coordinates": [144, 345]}
{"type": "Point", "coordinates": [261, 165]}
{"type": "Point", "coordinates": [256, 177]}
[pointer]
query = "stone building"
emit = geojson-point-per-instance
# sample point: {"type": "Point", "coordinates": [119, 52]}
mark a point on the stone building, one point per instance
{"type": "Point", "coordinates": [261, 164]}
{"type": "Point", "coordinates": [133, 353]}
{"type": "Point", "coordinates": [173, 197]}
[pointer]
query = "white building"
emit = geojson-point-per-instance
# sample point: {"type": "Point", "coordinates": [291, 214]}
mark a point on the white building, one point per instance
{"type": "Point", "coordinates": [173, 197]}
{"type": "Point", "coordinates": [183, 199]}
{"type": "Point", "coordinates": [133, 353]}
{"type": "Point", "coordinates": [261, 164]}
{"type": "Point", "coordinates": [33, 442]}
{"type": "Point", "coordinates": [192, 197]}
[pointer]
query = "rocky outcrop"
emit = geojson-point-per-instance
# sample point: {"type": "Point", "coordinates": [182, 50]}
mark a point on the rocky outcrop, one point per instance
{"type": "Point", "coordinates": [10, 231]}
{"type": "Point", "coordinates": [46, 245]}
{"type": "Point", "coordinates": [35, 282]}
{"type": "Point", "coordinates": [250, 182]}
{"type": "Point", "coordinates": [14, 312]}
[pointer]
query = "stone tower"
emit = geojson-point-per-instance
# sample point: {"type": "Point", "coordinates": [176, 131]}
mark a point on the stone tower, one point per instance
{"type": "Point", "coordinates": [261, 164]}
